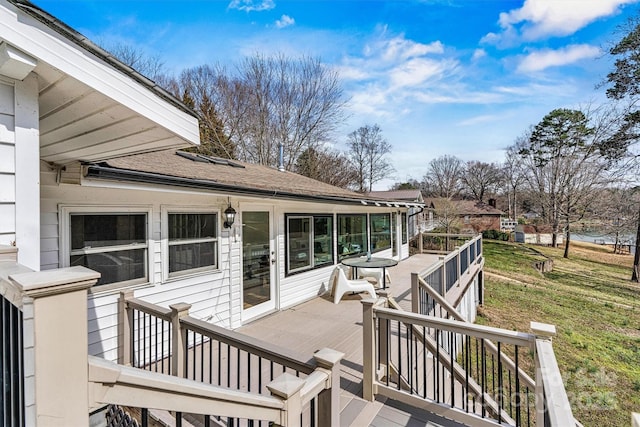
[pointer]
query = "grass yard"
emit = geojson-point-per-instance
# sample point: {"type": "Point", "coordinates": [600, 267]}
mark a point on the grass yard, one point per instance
{"type": "Point", "coordinates": [596, 310]}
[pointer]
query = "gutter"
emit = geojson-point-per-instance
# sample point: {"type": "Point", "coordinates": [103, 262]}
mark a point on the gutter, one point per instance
{"type": "Point", "coordinates": [416, 213]}
{"type": "Point", "coordinates": [110, 173]}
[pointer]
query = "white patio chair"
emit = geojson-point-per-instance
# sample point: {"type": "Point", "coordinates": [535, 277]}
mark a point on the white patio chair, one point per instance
{"type": "Point", "coordinates": [339, 285]}
{"type": "Point", "coordinates": [374, 273]}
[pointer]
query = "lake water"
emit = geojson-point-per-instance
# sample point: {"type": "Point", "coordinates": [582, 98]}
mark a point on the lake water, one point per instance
{"type": "Point", "coordinates": [626, 239]}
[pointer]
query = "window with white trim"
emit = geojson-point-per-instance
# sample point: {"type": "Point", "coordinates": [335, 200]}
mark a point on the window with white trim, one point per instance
{"type": "Point", "coordinates": [403, 217]}
{"type": "Point", "coordinates": [309, 242]}
{"type": "Point", "coordinates": [380, 232]}
{"type": "Point", "coordinates": [193, 242]}
{"type": "Point", "coordinates": [113, 244]}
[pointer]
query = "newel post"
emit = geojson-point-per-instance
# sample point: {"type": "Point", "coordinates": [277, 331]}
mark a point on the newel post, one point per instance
{"type": "Point", "coordinates": [542, 332]}
{"type": "Point", "coordinates": [125, 325]}
{"type": "Point", "coordinates": [415, 293]}
{"type": "Point", "coordinates": [179, 343]}
{"type": "Point", "coordinates": [329, 398]}
{"type": "Point", "coordinates": [288, 388]}
{"type": "Point", "coordinates": [420, 242]}
{"type": "Point", "coordinates": [55, 344]}
{"type": "Point", "coordinates": [369, 349]}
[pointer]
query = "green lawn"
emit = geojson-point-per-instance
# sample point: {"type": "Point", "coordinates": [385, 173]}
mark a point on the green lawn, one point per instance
{"type": "Point", "coordinates": [596, 310]}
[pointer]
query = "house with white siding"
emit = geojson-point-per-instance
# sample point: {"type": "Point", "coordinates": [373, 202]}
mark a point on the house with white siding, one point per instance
{"type": "Point", "coordinates": [123, 256]}
{"type": "Point", "coordinates": [92, 173]}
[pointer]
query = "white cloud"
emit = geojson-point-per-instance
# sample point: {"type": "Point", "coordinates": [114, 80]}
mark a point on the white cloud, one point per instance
{"type": "Point", "coordinates": [419, 70]}
{"type": "Point", "coordinates": [543, 59]}
{"type": "Point", "coordinates": [487, 118]}
{"type": "Point", "coordinates": [399, 48]}
{"type": "Point", "coordinates": [479, 53]}
{"type": "Point", "coordinates": [539, 19]}
{"type": "Point", "coordinates": [391, 71]}
{"type": "Point", "coordinates": [251, 5]}
{"type": "Point", "coordinates": [285, 21]}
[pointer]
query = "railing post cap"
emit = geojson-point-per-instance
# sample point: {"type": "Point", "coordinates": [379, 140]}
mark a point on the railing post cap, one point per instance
{"type": "Point", "coordinates": [543, 329]}
{"type": "Point", "coordinates": [180, 307]}
{"type": "Point", "coordinates": [285, 386]}
{"type": "Point", "coordinates": [328, 357]}
{"type": "Point", "coordinates": [369, 301]}
{"type": "Point", "coordinates": [383, 293]}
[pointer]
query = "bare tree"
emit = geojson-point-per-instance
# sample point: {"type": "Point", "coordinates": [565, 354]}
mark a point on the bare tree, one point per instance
{"type": "Point", "coordinates": [210, 92]}
{"type": "Point", "coordinates": [443, 177]}
{"type": "Point", "coordinates": [513, 174]}
{"type": "Point", "coordinates": [263, 103]}
{"type": "Point", "coordinates": [367, 151]}
{"type": "Point", "coordinates": [327, 165]}
{"type": "Point", "coordinates": [150, 66]}
{"type": "Point", "coordinates": [565, 166]}
{"type": "Point", "coordinates": [297, 103]}
{"type": "Point", "coordinates": [617, 210]}
{"type": "Point", "coordinates": [481, 178]}
{"type": "Point", "coordinates": [624, 85]}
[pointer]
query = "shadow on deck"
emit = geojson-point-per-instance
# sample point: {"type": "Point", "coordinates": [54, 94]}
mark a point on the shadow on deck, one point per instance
{"type": "Point", "coordinates": [318, 323]}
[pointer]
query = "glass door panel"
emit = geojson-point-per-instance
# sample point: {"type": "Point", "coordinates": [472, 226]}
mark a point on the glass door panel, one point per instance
{"type": "Point", "coordinates": [256, 262]}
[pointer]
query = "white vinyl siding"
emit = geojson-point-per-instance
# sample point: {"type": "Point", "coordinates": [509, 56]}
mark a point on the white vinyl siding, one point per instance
{"type": "Point", "coordinates": [7, 165]}
{"type": "Point", "coordinates": [212, 295]}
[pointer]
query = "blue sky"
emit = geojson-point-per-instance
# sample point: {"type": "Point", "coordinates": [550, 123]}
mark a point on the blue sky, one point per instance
{"type": "Point", "coordinates": [458, 77]}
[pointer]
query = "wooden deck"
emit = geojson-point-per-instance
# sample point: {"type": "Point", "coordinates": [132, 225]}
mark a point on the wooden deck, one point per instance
{"type": "Point", "coordinates": [319, 323]}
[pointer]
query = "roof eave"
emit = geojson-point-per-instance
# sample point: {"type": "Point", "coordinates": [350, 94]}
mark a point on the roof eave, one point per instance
{"type": "Point", "coordinates": [110, 173]}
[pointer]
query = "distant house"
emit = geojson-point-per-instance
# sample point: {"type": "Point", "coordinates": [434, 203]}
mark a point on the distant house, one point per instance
{"type": "Point", "coordinates": [536, 235]}
{"type": "Point", "coordinates": [471, 215]}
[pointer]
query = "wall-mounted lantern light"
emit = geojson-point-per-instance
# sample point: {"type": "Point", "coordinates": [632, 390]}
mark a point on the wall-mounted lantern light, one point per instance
{"type": "Point", "coordinates": [230, 216]}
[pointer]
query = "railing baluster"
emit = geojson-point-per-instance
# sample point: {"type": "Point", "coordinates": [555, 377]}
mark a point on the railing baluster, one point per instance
{"type": "Point", "coordinates": [484, 377]}
{"type": "Point", "coordinates": [248, 371]}
{"type": "Point", "coordinates": [437, 366]}
{"type": "Point", "coordinates": [144, 417]}
{"type": "Point", "coordinates": [409, 358]}
{"type": "Point", "coordinates": [452, 351]}
{"type": "Point", "coordinates": [467, 368]}
{"type": "Point", "coordinates": [399, 354]}
{"type": "Point", "coordinates": [388, 338]}
{"type": "Point", "coordinates": [518, 400]}
{"type": "Point", "coordinates": [219, 363]}
{"type": "Point", "coordinates": [228, 365]}
{"type": "Point", "coordinates": [500, 385]}
{"type": "Point", "coordinates": [424, 364]}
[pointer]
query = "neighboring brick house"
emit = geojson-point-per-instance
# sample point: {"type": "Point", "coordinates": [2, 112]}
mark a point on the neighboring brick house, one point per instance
{"type": "Point", "coordinates": [471, 215]}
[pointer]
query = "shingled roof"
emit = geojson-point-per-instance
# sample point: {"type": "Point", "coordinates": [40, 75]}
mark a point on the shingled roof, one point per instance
{"type": "Point", "coordinates": [407, 195]}
{"type": "Point", "coordinates": [170, 167]}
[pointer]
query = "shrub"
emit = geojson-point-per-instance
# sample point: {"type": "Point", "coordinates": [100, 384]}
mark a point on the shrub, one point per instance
{"type": "Point", "coordinates": [495, 235]}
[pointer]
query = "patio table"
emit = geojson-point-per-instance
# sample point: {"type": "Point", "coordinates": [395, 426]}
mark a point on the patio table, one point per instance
{"type": "Point", "coordinates": [373, 262]}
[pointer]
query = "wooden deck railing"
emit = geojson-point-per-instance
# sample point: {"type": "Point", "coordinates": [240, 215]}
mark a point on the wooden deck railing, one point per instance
{"type": "Point", "coordinates": [170, 341]}
{"type": "Point", "coordinates": [439, 242]}
{"type": "Point", "coordinates": [457, 269]}
{"type": "Point", "coordinates": [449, 367]}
